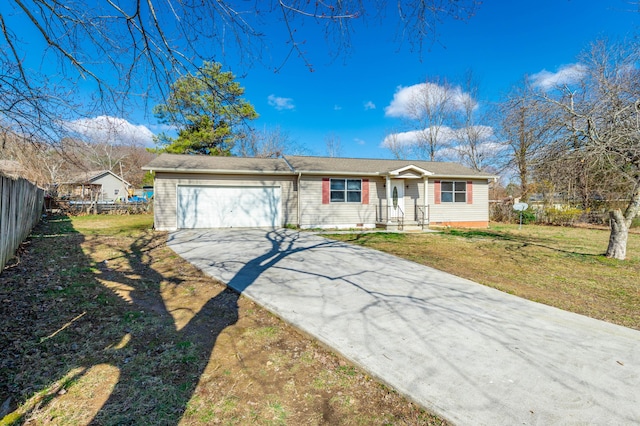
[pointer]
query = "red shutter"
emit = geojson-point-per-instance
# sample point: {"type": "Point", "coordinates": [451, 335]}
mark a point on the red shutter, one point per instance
{"type": "Point", "coordinates": [469, 192]}
{"type": "Point", "coordinates": [436, 192]}
{"type": "Point", "coordinates": [326, 191]}
{"type": "Point", "coordinates": [365, 191]}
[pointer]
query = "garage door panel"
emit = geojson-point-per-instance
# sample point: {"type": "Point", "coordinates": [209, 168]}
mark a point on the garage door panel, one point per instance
{"type": "Point", "coordinates": [225, 206]}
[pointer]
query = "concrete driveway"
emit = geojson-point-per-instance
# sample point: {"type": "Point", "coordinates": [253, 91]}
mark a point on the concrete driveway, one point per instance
{"type": "Point", "coordinates": [472, 354]}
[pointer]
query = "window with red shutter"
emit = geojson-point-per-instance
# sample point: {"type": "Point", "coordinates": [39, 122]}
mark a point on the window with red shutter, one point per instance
{"type": "Point", "coordinates": [326, 190]}
{"type": "Point", "coordinates": [365, 191]}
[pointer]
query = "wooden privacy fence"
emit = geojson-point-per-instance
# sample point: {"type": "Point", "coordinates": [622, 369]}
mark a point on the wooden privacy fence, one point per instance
{"type": "Point", "coordinates": [20, 210]}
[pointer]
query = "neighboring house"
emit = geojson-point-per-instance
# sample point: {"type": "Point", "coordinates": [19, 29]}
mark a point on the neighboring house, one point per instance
{"type": "Point", "coordinates": [316, 192]}
{"type": "Point", "coordinates": [103, 185]}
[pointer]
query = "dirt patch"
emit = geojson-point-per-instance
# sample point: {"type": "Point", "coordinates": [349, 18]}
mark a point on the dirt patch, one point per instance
{"type": "Point", "coordinates": [112, 327]}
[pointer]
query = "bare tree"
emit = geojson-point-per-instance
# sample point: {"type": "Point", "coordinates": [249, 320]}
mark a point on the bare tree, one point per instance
{"type": "Point", "coordinates": [526, 127]}
{"type": "Point", "coordinates": [39, 163]}
{"type": "Point", "coordinates": [400, 148]}
{"type": "Point", "coordinates": [332, 143]}
{"type": "Point", "coordinates": [431, 109]}
{"type": "Point", "coordinates": [108, 143]}
{"type": "Point", "coordinates": [122, 51]}
{"type": "Point", "coordinates": [268, 143]}
{"type": "Point", "coordinates": [476, 144]}
{"type": "Point", "coordinates": [601, 117]}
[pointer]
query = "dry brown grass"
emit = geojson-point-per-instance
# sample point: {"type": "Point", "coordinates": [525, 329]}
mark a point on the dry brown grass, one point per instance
{"type": "Point", "coordinates": [103, 324]}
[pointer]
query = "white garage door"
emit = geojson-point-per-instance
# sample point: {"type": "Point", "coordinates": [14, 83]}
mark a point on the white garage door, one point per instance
{"type": "Point", "coordinates": [228, 206]}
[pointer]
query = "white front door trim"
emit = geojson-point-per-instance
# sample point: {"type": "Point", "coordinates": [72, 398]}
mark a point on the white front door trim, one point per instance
{"type": "Point", "coordinates": [396, 200]}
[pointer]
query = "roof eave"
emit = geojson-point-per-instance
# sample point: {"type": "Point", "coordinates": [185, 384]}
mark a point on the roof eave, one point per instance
{"type": "Point", "coordinates": [406, 168]}
{"type": "Point", "coordinates": [337, 173]}
{"type": "Point", "coordinates": [302, 172]}
{"type": "Point", "coordinates": [452, 176]}
{"type": "Point", "coordinates": [216, 171]}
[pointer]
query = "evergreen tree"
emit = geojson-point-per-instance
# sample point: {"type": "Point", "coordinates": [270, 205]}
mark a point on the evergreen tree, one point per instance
{"type": "Point", "coordinates": [208, 110]}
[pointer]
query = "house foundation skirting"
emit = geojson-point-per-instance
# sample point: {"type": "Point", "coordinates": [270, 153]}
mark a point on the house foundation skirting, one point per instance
{"type": "Point", "coordinates": [340, 226]}
{"type": "Point", "coordinates": [462, 224]}
{"type": "Point", "coordinates": [405, 225]}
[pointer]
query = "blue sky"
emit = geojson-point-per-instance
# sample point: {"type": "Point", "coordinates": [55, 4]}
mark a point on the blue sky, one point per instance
{"type": "Point", "coordinates": [505, 41]}
{"type": "Point", "coordinates": [348, 96]}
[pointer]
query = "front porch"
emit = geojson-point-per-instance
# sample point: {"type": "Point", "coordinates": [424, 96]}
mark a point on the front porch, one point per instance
{"type": "Point", "coordinates": [404, 207]}
{"type": "Point", "coordinates": [394, 219]}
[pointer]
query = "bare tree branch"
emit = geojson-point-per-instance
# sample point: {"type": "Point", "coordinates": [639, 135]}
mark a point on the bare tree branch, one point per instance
{"type": "Point", "coordinates": [125, 52]}
{"type": "Point", "coordinates": [601, 123]}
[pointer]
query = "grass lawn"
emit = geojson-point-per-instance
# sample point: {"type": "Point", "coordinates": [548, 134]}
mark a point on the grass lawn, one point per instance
{"type": "Point", "coordinates": [557, 266]}
{"type": "Point", "coordinates": [102, 323]}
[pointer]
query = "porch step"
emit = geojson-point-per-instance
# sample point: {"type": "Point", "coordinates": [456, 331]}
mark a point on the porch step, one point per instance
{"type": "Point", "coordinates": [407, 225]}
{"type": "Point", "coordinates": [411, 225]}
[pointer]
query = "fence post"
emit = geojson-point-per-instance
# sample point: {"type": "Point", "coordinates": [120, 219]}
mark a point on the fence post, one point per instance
{"type": "Point", "coordinates": [20, 209]}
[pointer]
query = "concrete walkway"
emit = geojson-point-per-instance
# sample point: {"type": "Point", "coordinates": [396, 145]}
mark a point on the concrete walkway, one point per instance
{"type": "Point", "coordinates": [473, 355]}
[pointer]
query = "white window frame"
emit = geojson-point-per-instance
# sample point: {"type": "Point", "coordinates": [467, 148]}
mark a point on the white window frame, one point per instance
{"type": "Point", "coordinates": [346, 191]}
{"type": "Point", "coordinates": [455, 192]}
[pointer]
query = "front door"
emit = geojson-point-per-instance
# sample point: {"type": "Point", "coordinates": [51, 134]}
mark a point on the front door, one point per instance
{"type": "Point", "coordinates": [396, 202]}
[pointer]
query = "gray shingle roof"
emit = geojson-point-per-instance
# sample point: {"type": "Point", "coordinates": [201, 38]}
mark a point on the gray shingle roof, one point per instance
{"type": "Point", "coordinates": [377, 166]}
{"type": "Point", "coordinates": [207, 163]}
{"type": "Point", "coordinates": [313, 165]}
{"type": "Point", "coordinates": [88, 177]}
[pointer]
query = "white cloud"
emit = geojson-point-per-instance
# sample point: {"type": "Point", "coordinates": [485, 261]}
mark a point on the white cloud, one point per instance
{"type": "Point", "coordinates": [426, 93]}
{"type": "Point", "coordinates": [280, 103]}
{"type": "Point", "coordinates": [446, 136]}
{"type": "Point", "coordinates": [492, 147]}
{"type": "Point", "coordinates": [369, 105]}
{"type": "Point", "coordinates": [402, 97]}
{"type": "Point", "coordinates": [483, 132]}
{"type": "Point", "coordinates": [359, 141]}
{"type": "Point", "coordinates": [403, 139]}
{"type": "Point", "coordinates": [106, 129]}
{"type": "Point", "coordinates": [567, 74]}
{"type": "Point", "coordinates": [337, 108]}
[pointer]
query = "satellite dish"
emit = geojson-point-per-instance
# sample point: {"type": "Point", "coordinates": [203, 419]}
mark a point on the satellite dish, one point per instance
{"type": "Point", "coordinates": [520, 206]}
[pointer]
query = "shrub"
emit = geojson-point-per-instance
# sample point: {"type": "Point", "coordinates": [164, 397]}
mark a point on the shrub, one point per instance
{"type": "Point", "coordinates": [528, 216]}
{"type": "Point", "coordinates": [499, 212]}
{"type": "Point", "coordinates": [562, 216]}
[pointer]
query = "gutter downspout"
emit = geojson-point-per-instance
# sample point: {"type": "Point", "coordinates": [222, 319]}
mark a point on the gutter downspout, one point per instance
{"type": "Point", "coordinates": [298, 204]}
{"type": "Point", "coordinates": [293, 170]}
{"type": "Point", "coordinates": [425, 212]}
{"type": "Point", "coordinates": [155, 218]}
{"type": "Point", "coordinates": [388, 198]}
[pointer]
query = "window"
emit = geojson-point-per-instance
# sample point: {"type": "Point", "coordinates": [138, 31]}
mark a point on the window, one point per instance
{"type": "Point", "coordinates": [453, 192]}
{"type": "Point", "coordinates": [346, 190]}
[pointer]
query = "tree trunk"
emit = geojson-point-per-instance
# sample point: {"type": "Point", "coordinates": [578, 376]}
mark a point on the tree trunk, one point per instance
{"type": "Point", "coordinates": [620, 225]}
{"type": "Point", "coordinates": [619, 233]}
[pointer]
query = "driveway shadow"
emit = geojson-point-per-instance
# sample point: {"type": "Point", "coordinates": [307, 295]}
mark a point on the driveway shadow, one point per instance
{"type": "Point", "coordinates": [465, 351]}
{"type": "Point", "coordinates": [101, 304]}
{"type": "Point", "coordinates": [66, 317]}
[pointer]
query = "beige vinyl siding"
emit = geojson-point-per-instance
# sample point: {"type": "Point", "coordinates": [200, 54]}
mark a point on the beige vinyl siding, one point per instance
{"type": "Point", "coordinates": [412, 198]}
{"type": "Point", "coordinates": [315, 214]}
{"type": "Point", "coordinates": [380, 200]}
{"type": "Point", "coordinates": [478, 211]}
{"type": "Point", "coordinates": [109, 185]}
{"type": "Point", "coordinates": [165, 193]}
